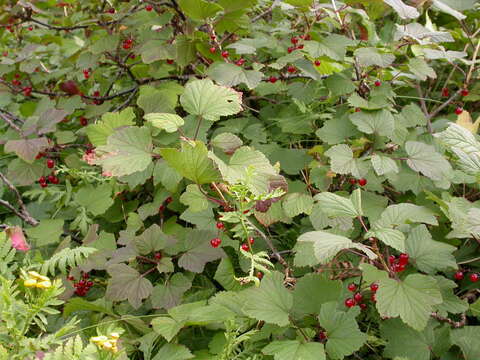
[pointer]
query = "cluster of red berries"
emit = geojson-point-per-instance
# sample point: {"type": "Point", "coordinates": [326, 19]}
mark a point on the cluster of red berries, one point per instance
{"type": "Point", "coordinates": [245, 246]}
{"type": "Point", "coordinates": [361, 182]}
{"type": "Point", "coordinates": [83, 285]}
{"type": "Point", "coordinates": [295, 41]}
{"type": "Point", "coordinates": [86, 73]}
{"type": "Point", "coordinates": [358, 297]}
{"type": "Point", "coordinates": [398, 264]}
{"type": "Point", "coordinates": [168, 200]}
{"type": "Point", "coordinates": [43, 181]}
{"type": "Point", "coordinates": [127, 43]}
{"type": "Point", "coordinates": [459, 275]}
{"type": "Point", "coordinates": [216, 241]}
{"type": "Point", "coordinates": [16, 80]}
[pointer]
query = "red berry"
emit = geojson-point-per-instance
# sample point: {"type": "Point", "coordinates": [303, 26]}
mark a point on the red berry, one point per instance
{"type": "Point", "coordinates": [27, 91]}
{"type": "Point", "coordinates": [259, 275]}
{"type": "Point", "coordinates": [161, 208]}
{"type": "Point", "coordinates": [213, 49]}
{"type": "Point", "coordinates": [362, 306]}
{"type": "Point", "coordinates": [126, 46]}
{"type": "Point", "coordinates": [374, 297]}
{"type": "Point", "coordinates": [352, 181]}
{"type": "Point", "coordinates": [358, 109]}
{"type": "Point", "coordinates": [85, 276]}
{"type": "Point", "coordinates": [213, 37]}
{"type": "Point", "coordinates": [51, 178]}
{"type": "Point", "coordinates": [318, 62]}
{"type": "Point", "coordinates": [225, 54]}
{"type": "Point", "coordinates": [215, 242]}
{"type": "Point", "coordinates": [300, 46]}
{"type": "Point", "coordinates": [465, 92]}
{"type": "Point", "coordinates": [392, 259]}
{"type": "Point", "coordinates": [132, 56]}
{"type": "Point", "coordinates": [111, 11]}
{"type": "Point", "coordinates": [245, 247]}
{"type": "Point", "coordinates": [445, 92]}
{"type": "Point", "coordinates": [374, 287]}
{"type": "Point", "coordinates": [290, 49]}
{"type": "Point", "coordinates": [50, 163]}
{"type": "Point", "coordinates": [170, 61]}
{"type": "Point", "coordinates": [220, 226]}
{"type": "Point", "coordinates": [322, 335]}
{"type": "Point", "coordinates": [240, 62]}
{"type": "Point", "coordinates": [96, 93]}
{"type": "Point", "coordinates": [89, 284]}
{"type": "Point", "coordinates": [30, 28]}
{"type": "Point", "coordinates": [399, 267]}
{"type": "Point", "coordinates": [83, 121]}
{"type": "Point", "coordinates": [291, 69]}
{"type": "Point", "coordinates": [350, 303]}
{"type": "Point", "coordinates": [459, 275]}
{"type": "Point", "coordinates": [378, 83]}
{"type": "Point", "coordinates": [358, 297]}
{"type": "Point", "coordinates": [54, 180]}
{"type": "Point", "coordinates": [458, 110]}
{"type": "Point", "coordinates": [403, 259]}
{"type": "Point", "coordinates": [149, 7]}
{"type": "Point", "coordinates": [251, 240]}
{"type": "Point", "coordinates": [70, 278]}
{"type": "Point", "coordinates": [352, 287]}
{"type": "Point", "coordinates": [307, 37]}
{"type": "Point", "coordinates": [81, 283]}
{"type": "Point", "coordinates": [272, 79]}
{"type": "Point", "coordinates": [17, 76]}
{"type": "Point", "coordinates": [362, 182]}
{"type": "Point", "coordinates": [128, 41]}
{"type": "Point", "coordinates": [168, 200]}
{"type": "Point", "coordinates": [474, 277]}
{"type": "Point", "coordinates": [42, 179]}
{"type": "Point", "coordinates": [5, 53]}
{"type": "Point", "coordinates": [158, 255]}
{"type": "Point", "coordinates": [294, 40]}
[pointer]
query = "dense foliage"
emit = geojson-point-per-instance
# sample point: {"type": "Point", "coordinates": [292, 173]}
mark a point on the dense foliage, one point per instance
{"type": "Point", "coordinates": [255, 179]}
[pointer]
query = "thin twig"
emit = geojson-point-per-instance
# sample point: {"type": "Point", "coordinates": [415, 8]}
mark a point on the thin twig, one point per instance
{"type": "Point", "coordinates": [424, 106]}
{"type": "Point", "coordinates": [454, 324]}
{"type": "Point", "coordinates": [23, 213]}
{"type": "Point", "coordinates": [444, 105]}
{"type": "Point", "coordinates": [472, 67]}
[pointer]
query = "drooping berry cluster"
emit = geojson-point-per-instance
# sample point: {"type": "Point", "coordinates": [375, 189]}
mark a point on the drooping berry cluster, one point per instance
{"type": "Point", "coordinates": [83, 285]}
{"type": "Point", "coordinates": [358, 298]}
{"type": "Point", "coordinates": [398, 264]}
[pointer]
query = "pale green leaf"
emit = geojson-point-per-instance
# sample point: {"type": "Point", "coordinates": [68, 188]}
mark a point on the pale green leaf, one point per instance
{"type": "Point", "coordinates": [295, 350]}
{"type": "Point", "coordinates": [423, 158]}
{"type": "Point", "coordinates": [379, 122]}
{"type": "Point", "coordinates": [194, 199]}
{"type": "Point", "coordinates": [191, 162]}
{"type": "Point", "coordinates": [335, 205]}
{"type": "Point", "coordinates": [412, 299]}
{"type": "Point", "coordinates": [127, 284]}
{"type": "Point", "coordinates": [368, 56]}
{"type": "Point", "coordinates": [343, 335]}
{"type": "Point", "coordinates": [270, 302]}
{"type": "Point", "coordinates": [383, 164]}
{"type": "Point", "coordinates": [228, 74]}
{"type": "Point", "coordinates": [342, 161]}
{"type": "Point", "coordinates": [297, 203]}
{"type": "Point", "coordinates": [390, 237]}
{"type": "Point", "coordinates": [128, 150]}
{"type": "Point", "coordinates": [199, 9]}
{"type": "Point", "coordinates": [429, 255]}
{"type": "Point", "coordinates": [313, 290]}
{"type": "Point", "coordinates": [210, 101]}
{"type": "Point", "coordinates": [165, 121]}
{"type": "Point", "coordinates": [327, 245]}
{"type": "Point", "coordinates": [99, 132]}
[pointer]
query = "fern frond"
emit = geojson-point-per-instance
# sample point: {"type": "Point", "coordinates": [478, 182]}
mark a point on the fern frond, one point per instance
{"type": "Point", "coordinates": [72, 349]}
{"type": "Point", "coordinates": [7, 254]}
{"type": "Point", "coordinates": [66, 257]}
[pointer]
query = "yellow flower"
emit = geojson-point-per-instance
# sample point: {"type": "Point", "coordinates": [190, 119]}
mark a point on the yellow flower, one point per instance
{"type": "Point", "coordinates": [30, 283]}
{"type": "Point", "coordinates": [37, 276]}
{"type": "Point", "coordinates": [44, 284]}
{"type": "Point", "coordinates": [107, 344]}
{"type": "Point", "coordinates": [99, 339]}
